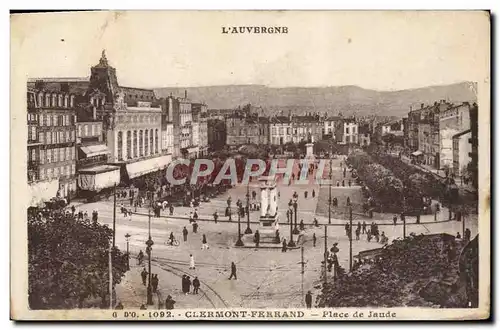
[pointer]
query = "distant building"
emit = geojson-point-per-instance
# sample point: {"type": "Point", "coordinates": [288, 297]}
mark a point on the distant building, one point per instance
{"type": "Point", "coordinates": [280, 130]}
{"type": "Point", "coordinates": [329, 127]}
{"type": "Point", "coordinates": [364, 135]}
{"type": "Point", "coordinates": [452, 120]}
{"type": "Point", "coordinates": [348, 132]}
{"type": "Point", "coordinates": [461, 153]}
{"type": "Point", "coordinates": [306, 128]}
{"type": "Point", "coordinates": [216, 133]}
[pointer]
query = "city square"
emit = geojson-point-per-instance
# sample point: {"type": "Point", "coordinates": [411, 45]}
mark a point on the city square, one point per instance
{"type": "Point", "coordinates": [267, 277]}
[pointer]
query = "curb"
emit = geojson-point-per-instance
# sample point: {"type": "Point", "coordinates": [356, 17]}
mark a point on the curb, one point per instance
{"type": "Point", "coordinates": [288, 224]}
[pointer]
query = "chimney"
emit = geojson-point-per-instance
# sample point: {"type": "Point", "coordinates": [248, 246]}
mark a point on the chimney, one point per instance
{"type": "Point", "coordinates": [185, 94]}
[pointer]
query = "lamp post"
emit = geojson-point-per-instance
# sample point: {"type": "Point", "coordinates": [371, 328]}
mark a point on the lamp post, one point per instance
{"type": "Point", "coordinates": [291, 243]}
{"type": "Point", "coordinates": [330, 194]}
{"type": "Point", "coordinates": [127, 238]}
{"type": "Point", "coordinates": [350, 238]}
{"type": "Point", "coordinates": [248, 230]}
{"type": "Point", "coordinates": [295, 229]}
{"type": "Point", "coordinates": [239, 242]}
{"type": "Point", "coordinates": [149, 244]}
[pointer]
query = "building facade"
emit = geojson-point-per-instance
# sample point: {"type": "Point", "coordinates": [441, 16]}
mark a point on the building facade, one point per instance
{"type": "Point", "coordinates": [349, 132]}
{"type": "Point", "coordinates": [280, 128]}
{"type": "Point", "coordinates": [217, 133]}
{"type": "Point", "coordinates": [51, 144]}
{"type": "Point", "coordinates": [461, 153]}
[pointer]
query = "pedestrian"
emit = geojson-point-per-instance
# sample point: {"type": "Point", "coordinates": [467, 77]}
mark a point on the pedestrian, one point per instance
{"type": "Point", "coordinates": [284, 246]}
{"type": "Point", "coordinates": [195, 214]}
{"type": "Point", "coordinates": [144, 275]}
{"type": "Point", "coordinates": [357, 233]}
{"type": "Point", "coordinates": [183, 285]}
{"type": "Point", "coordinates": [185, 234]}
{"type": "Point", "coordinates": [196, 285]}
{"type": "Point", "coordinates": [195, 227]}
{"type": "Point", "coordinates": [338, 183]}
{"type": "Point", "coordinates": [343, 183]}
{"type": "Point", "coordinates": [188, 284]}
{"type": "Point", "coordinates": [349, 182]}
{"type": "Point", "coordinates": [233, 271]}
{"type": "Point", "coordinates": [154, 282]}
{"type": "Point", "coordinates": [315, 222]}
{"type": "Point", "coordinates": [308, 299]}
{"type": "Point", "coordinates": [346, 227]}
{"type": "Point", "coordinates": [305, 194]}
{"type": "Point", "coordinates": [140, 257]}
{"type": "Point", "coordinates": [204, 244]}
{"type": "Point", "coordinates": [458, 235]}
{"type": "Point", "coordinates": [334, 249]}
{"type": "Point", "coordinates": [348, 201]}
{"type": "Point", "coordinates": [314, 239]}
{"type": "Point", "coordinates": [301, 224]}
{"type": "Point", "coordinates": [216, 216]}
{"type": "Point", "coordinates": [359, 226]}
{"type": "Point", "coordinates": [191, 262]}
{"type": "Point", "coordinates": [73, 209]}
{"type": "Point", "coordinates": [394, 220]}
{"type": "Point", "coordinates": [314, 193]}
{"type": "Point", "coordinates": [344, 172]}
{"type": "Point", "coordinates": [171, 209]}
{"type": "Point", "coordinates": [467, 235]}
{"type": "Point", "coordinates": [143, 307]}
{"type": "Point", "coordinates": [191, 217]}
{"type": "Point", "coordinates": [256, 238]}
{"type": "Point", "coordinates": [169, 303]}
{"type": "Point", "coordinates": [119, 305]}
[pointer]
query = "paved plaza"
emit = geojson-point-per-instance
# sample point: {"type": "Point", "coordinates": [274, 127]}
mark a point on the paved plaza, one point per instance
{"type": "Point", "coordinates": [266, 277]}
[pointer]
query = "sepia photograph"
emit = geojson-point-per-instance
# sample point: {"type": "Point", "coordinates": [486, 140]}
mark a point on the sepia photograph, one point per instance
{"type": "Point", "coordinates": [250, 165]}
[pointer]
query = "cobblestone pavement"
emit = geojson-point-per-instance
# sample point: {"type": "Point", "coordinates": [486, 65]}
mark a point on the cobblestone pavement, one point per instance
{"type": "Point", "coordinates": [266, 277]}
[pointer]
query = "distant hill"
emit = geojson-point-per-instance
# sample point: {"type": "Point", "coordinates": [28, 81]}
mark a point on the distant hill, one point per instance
{"type": "Point", "coordinates": [346, 99]}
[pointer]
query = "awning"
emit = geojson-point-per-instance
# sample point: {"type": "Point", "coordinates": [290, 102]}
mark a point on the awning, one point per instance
{"type": "Point", "coordinates": [147, 166]}
{"type": "Point", "coordinates": [417, 153]}
{"type": "Point", "coordinates": [95, 150]}
{"type": "Point", "coordinates": [98, 177]}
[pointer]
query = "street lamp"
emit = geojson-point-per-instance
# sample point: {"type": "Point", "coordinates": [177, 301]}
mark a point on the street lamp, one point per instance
{"type": "Point", "coordinates": [350, 238]}
{"type": "Point", "coordinates": [295, 229]}
{"type": "Point", "coordinates": [127, 238]}
{"type": "Point", "coordinates": [248, 230]}
{"type": "Point", "coordinates": [291, 243]}
{"type": "Point", "coordinates": [330, 195]}
{"type": "Point", "coordinates": [239, 242]}
{"type": "Point", "coordinates": [149, 244]}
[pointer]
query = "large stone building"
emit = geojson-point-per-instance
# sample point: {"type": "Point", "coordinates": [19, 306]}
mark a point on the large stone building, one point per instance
{"type": "Point", "coordinates": [132, 122]}
{"type": "Point", "coordinates": [347, 131]}
{"type": "Point", "coordinates": [461, 151]}
{"type": "Point", "coordinates": [452, 120]}
{"type": "Point", "coordinates": [51, 122]}
{"type": "Point", "coordinates": [246, 129]}
{"type": "Point", "coordinates": [200, 116]}
{"type": "Point", "coordinates": [216, 133]}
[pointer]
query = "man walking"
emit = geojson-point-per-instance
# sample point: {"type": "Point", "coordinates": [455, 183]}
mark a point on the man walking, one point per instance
{"type": "Point", "coordinates": [233, 271]}
{"type": "Point", "coordinates": [195, 227]}
{"type": "Point", "coordinates": [308, 299]}
{"type": "Point", "coordinates": [196, 285]}
{"type": "Point", "coordinates": [185, 234]}
{"type": "Point", "coordinates": [144, 275]}
{"type": "Point", "coordinates": [204, 243]}
{"type": "Point", "coordinates": [314, 239]}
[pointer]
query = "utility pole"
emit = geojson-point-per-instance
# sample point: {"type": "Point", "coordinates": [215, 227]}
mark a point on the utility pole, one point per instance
{"type": "Point", "coordinates": [248, 230]}
{"type": "Point", "coordinates": [110, 278]}
{"type": "Point", "coordinates": [114, 213]}
{"type": "Point", "coordinates": [350, 238]}
{"type": "Point", "coordinates": [291, 243]}
{"type": "Point", "coordinates": [239, 242]}
{"type": "Point", "coordinates": [330, 194]}
{"type": "Point", "coordinates": [302, 272]}
{"type": "Point", "coordinates": [326, 250]}
{"type": "Point", "coordinates": [149, 244]}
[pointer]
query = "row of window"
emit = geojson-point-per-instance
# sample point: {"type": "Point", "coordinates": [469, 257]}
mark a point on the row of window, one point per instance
{"type": "Point", "coordinates": [149, 119]}
{"type": "Point", "coordinates": [56, 137]}
{"type": "Point", "coordinates": [89, 129]}
{"type": "Point", "coordinates": [138, 139]}
{"type": "Point", "coordinates": [57, 172]}
{"type": "Point", "coordinates": [55, 100]}
{"type": "Point", "coordinates": [56, 120]}
{"type": "Point", "coordinates": [353, 131]}
{"type": "Point", "coordinates": [55, 155]}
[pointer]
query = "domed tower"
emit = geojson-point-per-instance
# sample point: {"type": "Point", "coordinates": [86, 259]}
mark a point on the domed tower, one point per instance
{"type": "Point", "coordinates": [103, 79]}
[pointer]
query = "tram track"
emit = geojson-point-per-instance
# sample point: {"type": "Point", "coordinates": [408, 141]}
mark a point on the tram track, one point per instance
{"type": "Point", "coordinates": [179, 272]}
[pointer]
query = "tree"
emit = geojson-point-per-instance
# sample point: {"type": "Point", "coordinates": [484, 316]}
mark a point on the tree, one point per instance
{"type": "Point", "coordinates": [68, 261]}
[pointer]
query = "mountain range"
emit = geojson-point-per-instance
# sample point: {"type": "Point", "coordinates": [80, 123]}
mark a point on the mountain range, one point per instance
{"type": "Point", "coordinates": [349, 100]}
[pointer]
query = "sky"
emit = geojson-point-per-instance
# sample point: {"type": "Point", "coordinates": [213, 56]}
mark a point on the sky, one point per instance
{"type": "Point", "coordinates": [375, 50]}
